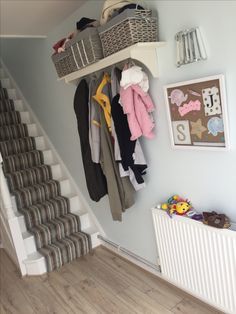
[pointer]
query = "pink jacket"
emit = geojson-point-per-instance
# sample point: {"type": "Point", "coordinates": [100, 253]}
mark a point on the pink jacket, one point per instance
{"type": "Point", "coordinates": [137, 105]}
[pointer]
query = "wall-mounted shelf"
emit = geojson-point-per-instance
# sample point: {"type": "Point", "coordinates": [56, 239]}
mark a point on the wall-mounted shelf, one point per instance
{"type": "Point", "coordinates": [146, 53]}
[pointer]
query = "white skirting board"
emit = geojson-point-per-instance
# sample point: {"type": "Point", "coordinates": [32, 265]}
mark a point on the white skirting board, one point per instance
{"type": "Point", "coordinates": [130, 256]}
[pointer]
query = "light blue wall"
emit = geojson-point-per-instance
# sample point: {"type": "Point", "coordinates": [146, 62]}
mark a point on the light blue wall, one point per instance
{"type": "Point", "coordinates": [208, 179]}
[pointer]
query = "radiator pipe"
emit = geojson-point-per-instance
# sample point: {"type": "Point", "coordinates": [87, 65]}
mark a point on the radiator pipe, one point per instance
{"type": "Point", "coordinates": [131, 254]}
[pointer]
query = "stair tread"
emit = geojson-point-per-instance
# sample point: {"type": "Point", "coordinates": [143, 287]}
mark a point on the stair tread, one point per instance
{"type": "Point", "coordinates": [17, 139]}
{"type": "Point", "coordinates": [91, 230]}
{"type": "Point", "coordinates": [27, 235]}
{"type": "Point", "coordinates": [25, 153]}
{"type": "Point", "coordinates": [33, 257]}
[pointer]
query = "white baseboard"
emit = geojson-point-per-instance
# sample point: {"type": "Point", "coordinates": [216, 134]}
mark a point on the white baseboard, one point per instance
{"type": "Point", "coordinates": [131, 257]}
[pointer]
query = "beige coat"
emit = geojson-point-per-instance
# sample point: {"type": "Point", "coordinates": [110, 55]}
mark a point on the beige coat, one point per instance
{"type": "Point", "coordinates": [120, 190]}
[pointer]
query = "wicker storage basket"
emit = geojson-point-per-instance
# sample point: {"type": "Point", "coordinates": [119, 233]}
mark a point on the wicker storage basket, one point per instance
{"type": "Point", "coordinates": [128, 28]}
{"type": "Point", "coordinates": [84, 49]}
{"type": "Point", "coordinates": [64, 63]}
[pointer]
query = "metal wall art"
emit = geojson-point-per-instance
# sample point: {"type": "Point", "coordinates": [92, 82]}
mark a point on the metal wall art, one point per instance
{"type": "Point", "coordinates": [190, 46]}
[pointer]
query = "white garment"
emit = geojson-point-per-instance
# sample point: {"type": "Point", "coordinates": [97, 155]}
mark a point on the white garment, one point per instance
{"type": "Point", "coordinates": [137, 186]}
{"type": "Point", "coordinates": [134, 75]}
{"type": "Point", "coordinates": [139, 159]}
{"type": "Point", "coordinates": [116, 144]}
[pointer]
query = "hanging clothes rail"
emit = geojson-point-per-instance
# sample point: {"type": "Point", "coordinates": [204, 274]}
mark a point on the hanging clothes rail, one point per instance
{"type": "Point", "coordinates": [145, 53]}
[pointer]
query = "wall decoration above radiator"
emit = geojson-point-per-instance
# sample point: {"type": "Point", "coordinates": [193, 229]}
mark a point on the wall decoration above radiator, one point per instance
{"type": "Point", "coordinates": [197, 113]}
{"type": "Point", "coordinates": [189, 46]}
{"type": "Point", "coordinates": [197, 258]}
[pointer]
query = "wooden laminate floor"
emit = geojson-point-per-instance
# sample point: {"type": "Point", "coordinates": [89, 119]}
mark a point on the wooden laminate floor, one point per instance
{"type": "Point", "coordinates": [98, 283]}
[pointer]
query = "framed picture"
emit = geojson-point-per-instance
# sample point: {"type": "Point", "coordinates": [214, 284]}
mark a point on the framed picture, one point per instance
{"type": "Point", "coordinates": [197, 113]}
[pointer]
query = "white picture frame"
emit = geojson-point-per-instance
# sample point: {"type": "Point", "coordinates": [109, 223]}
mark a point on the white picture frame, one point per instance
{"type": "Point", "coordinates": [197, 114]}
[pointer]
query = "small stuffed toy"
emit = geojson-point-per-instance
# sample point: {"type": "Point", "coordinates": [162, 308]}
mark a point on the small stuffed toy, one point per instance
{"type": "Point", "coordinates": [216, 220]}
{"type": "Point", "coordinates": [180, 208]}
{"type": "Point", "coordinates": [177, 205]}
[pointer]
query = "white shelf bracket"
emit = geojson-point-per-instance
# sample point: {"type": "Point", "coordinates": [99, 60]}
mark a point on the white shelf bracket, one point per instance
{"type": "Point", "coordinates": [148, 57]}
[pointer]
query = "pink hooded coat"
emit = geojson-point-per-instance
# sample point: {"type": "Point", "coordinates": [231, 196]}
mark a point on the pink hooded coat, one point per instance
{"type": "Point", "coordinates": [137, 105]}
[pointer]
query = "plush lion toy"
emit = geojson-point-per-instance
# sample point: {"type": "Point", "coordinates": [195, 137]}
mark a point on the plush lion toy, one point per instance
{"type": "Point", "coordinates": [177, 205]}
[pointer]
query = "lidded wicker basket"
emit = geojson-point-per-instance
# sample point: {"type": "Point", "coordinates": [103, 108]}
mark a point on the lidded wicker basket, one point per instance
{"type": "Point", "coordinates": [128, 28]}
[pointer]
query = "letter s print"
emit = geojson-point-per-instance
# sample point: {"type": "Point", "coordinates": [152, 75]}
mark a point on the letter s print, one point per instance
{"type": "Point", "coordinates": [181, 135]}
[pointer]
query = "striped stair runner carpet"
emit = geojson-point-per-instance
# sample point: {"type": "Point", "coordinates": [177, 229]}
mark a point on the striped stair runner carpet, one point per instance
{"type": "Point", "coordinates": [38, 197]}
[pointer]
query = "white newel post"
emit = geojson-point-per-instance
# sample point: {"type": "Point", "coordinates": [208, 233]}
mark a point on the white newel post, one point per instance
{"type": "Point", "coordinates": [5, 195]}
{"type": "Point", "coordinates": [14, 241]}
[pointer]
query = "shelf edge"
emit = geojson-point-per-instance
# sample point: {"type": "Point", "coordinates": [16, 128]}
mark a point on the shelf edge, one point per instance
{"type": "Point", "coordinates": [133, 52]}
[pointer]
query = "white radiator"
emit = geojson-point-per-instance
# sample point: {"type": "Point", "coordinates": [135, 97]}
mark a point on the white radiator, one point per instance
{"type": "Point", "coordinates": [199, 259]}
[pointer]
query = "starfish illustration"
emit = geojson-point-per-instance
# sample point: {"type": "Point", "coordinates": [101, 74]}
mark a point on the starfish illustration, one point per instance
{"type": "Point", "coordinates": [197, 128]}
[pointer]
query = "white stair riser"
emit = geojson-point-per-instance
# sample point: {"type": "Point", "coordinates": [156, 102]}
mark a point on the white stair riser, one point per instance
{"type": "Point", "coordinates": [21, 220]}
{"type": "Point", "coordinates": [13, 201]}
{"type": "Point", "coordinates": [65, 187]}
{"type": "Point", "coordinates": [40, 143]}
{"type": "Point", "coordinates": [56, 172]}
{"type": "Point", "coordinates": [6, 83]}
{"type": "Point", "coordinates": [18, 104]}
{"type": "Point", "coordinates": [75, 204]}
{"type": "Point", "coordinates": [30, 245]}
{"type": "Point", "coordinates": [84, 221]}
{"type": "Point", "coordinates": [48, 157]}
{"type": "Point", "coordinates": [25, 117]}
{"type": "Point", "coordinates": [2, 74]}
{"type": "Point", "coordinates": [36, 267]}
{"type": "Point", "coordinates": [94, 240]}
{"type": "Point", "coordinates": [12, 94]}
{"type": "Point", "coordinates": [32, 130]}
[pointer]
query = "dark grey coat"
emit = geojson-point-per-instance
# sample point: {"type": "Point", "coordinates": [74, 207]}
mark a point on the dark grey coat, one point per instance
{"type": "Point", "coordinates": [95, 179]}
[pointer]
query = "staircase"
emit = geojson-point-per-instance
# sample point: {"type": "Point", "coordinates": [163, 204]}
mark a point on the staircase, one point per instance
{"type": "Point", "coordinates": [47, 207]}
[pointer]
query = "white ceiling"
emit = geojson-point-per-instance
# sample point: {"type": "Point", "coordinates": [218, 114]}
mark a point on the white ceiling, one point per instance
{"type": "Point", "coordinates": [32, 18]}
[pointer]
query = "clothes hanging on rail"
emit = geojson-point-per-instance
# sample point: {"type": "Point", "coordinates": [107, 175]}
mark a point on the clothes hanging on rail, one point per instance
{"type": "Point", "coordinates": [94, 118]}
{"type": "Point", "coordinates": [120, 190]}
{"type": "Point", "coordinates": [95, 179]}
{"type": "Point", "coordinates": [127, 147]}
{"type": "Point", "coordinates": [136, 102]}
{"type": "Point", "coordinates": [86, 22]}
{"type": "Point", "coordinates": [103, 97]}
{"type": "Point", "coordinates": [130, 152]}
{"type": "Point", "coordinates": [138, 105]}
{"type": "Point", "coordinates": [133, 75]}
{"type": "Point", "coordinates": [111, 118]}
